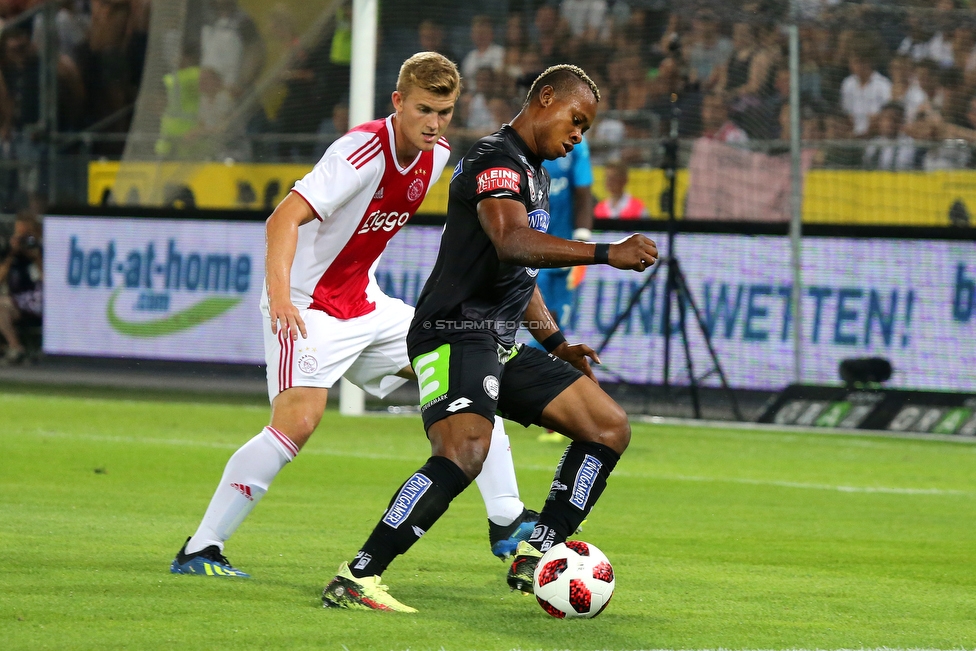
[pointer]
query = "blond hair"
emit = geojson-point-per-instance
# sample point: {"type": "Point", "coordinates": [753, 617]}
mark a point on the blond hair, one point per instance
{"type": "Point", "coordinates": [561, 78]}
{"type": "Point", "coordinates": [429, 71]}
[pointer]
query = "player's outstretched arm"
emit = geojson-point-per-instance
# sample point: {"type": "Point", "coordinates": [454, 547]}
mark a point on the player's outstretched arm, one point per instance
{"type": "Point", "coordinates": [543, 327]}
{"type": "Point", "coordinates": [282, 240]}
{"type": "Point", "coordinates": [507, 225]}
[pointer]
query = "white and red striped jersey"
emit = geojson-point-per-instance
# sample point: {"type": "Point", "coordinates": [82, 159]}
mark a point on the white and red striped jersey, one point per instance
{"type": "Point", "coordinates": [361, 197]}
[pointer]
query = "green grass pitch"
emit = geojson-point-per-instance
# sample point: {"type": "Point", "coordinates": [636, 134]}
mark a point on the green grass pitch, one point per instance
{"type": "Point", "coordinates": [720, 538]}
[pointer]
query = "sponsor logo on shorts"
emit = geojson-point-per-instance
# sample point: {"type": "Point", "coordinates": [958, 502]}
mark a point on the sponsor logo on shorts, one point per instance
{"type": "Point", "coordinates": [432, 371]}
{"type": "Point", "coordinates": [459, 404]}
{"type": "Point", "coordinates": [307, 364]}
{"type": "Point", "coordinates": [417, 531]}
{"type": "Point", "coordinates": [407, 499]}
{"type": "Point", "coordinates": [558, 486]}
{"type": "Point", "coordinates": [416, 190]}
{"type": "Point", "coordinates": [585, 479]}
{"type": "Point", "coordinates": [491, 386]}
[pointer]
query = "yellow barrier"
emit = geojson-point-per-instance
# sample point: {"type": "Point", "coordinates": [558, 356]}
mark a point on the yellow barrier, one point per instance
{"type": "Point", "coordinates": [830, 196]}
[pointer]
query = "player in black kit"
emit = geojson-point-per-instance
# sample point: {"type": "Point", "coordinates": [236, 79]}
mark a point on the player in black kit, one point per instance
{"type": "Point", "coordinates": [462, 338]}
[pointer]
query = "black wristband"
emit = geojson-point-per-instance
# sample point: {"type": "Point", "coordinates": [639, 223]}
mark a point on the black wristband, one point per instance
{"type": "Point", "coordinates": [602, 254]}
{"type": "Point", "coordinates": [553, 341]}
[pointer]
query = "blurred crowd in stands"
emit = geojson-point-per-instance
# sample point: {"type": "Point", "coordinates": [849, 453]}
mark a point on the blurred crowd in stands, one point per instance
{"type": "Point", "coordinates": [889, 85]}
{"type": "Point", "coordinates": [883, 84]}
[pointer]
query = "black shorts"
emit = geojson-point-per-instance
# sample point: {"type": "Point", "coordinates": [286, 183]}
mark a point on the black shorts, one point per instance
{"type": "Point", "coordinates": [472, 374]}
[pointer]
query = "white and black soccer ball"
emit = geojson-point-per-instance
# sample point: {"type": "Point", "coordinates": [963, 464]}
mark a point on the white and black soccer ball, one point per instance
{"type": "Point", "coordinates": [573, 579]}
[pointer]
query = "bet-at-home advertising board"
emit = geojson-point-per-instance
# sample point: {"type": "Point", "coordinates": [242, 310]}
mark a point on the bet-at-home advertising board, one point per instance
{"type": "Point", "coordinates": [189, 290]}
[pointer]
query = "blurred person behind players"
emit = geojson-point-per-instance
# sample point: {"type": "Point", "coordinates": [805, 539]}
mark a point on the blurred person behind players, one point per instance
{"type": "Point", "coordinates": [326, 316]}
{"type": "Point", "coordinates": [21, 285]}
{"type": "Point", "coordinates": [619, 203]}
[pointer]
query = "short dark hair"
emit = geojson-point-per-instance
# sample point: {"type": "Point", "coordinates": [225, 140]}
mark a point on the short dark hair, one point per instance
{"type": "Point", "coordinates": [561, 78]}
{"type": "Point", "coordinates": [896, 107]}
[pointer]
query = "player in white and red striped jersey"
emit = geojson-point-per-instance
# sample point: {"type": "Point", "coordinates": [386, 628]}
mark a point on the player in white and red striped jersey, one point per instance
{"type": "Point", "coordinates": [328, 317]}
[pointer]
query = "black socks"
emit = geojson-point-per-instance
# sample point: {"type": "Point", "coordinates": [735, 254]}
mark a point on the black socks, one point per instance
{"type": "Point", "coordinates": [417, 505]}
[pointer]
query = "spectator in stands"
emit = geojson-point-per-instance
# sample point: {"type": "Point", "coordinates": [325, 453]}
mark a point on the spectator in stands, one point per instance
{"type": "Point", "coordinates": [180, 120]}
{"type": "Point", "coordinates": [516, 43]}
{"type": "Point", "coordinates": [549, 35]}
{"type": "Point", "coordinates": [839, 152]}
{"type": "Point", "coordinates": [716, 124]}
{"type": "Point", "coordinates": [430, 35]}
{"type": "Point", "coordinates": [231, 58]}
{"type": "Point", "coordinates": [108, 69]}
{"type": "Point", "coordinates": [707, 50]}
{"type": "Point", "coordinates": [901, 72]}
{"type": "Point", "coordinates": [475, 107]}
{"type": "Point", "coordinates": [864, 92]}
{"type": "Point", "coordinates": [752, 66]}
{"type": "Point", "coordinates": [891, 148]}
{"type": "Point", "coordinates": [302, 108]}
{"type": "Point", "coordinates": [836, 68]}
{"type": "Point", "coordinates": [335, 125]}
{"type": "Point", "coordinates": [336, 79]}
{"type": "Point", "coordinates": [963, 47]}
{"type": "Point", "coordinates": [10, 8]}
{"type": "Point", "coordinates": [21, 285]}
{"type": "Point", "coordinates": [587, 19]}
{"type": "Point", "coordinates": [619, 204]}
{"type": "Point", "coordinates": [931, 126]}
{"type": "Point", "coordinates": [815, 44]}
{"type": "Point", "coordinates": [924, 93]}
{"type": "Point", "coordinates": [20, 110]}
{"type": "Point", "coordinates": [923, 42]}
{"type": "Point", "coordinates": [486, 53]}
{"type": "Point", "coordinates": [633, 92]}
{"type": "Point", "coordinates": [72, 24]}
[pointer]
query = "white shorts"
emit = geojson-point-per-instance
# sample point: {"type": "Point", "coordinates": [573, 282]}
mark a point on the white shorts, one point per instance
{"type": "Point", "coordinates": [368, 350]}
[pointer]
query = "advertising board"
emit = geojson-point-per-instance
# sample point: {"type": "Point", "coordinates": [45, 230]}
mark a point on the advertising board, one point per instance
{"type": "Point", "coordinates": [189, 290]}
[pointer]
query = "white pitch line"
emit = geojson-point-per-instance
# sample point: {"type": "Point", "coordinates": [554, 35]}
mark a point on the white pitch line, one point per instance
{"type": "Point", "coordinates": [888, 490]}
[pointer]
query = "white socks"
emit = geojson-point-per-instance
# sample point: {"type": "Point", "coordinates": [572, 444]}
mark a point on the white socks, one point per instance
{"type": "Point", "coordinates": [246, 478]}
{"type": "Point", "coordinates": [497, 482]}
{"type": "Point", "coordinates": [252, 468]}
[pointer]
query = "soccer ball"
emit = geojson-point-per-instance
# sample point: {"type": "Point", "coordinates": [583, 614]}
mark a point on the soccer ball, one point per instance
{"type": "Point", "coordinates": [573, 579]}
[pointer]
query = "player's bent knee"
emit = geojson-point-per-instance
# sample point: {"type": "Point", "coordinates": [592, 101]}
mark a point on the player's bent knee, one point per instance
{"type": "Point", "coordinates": [464, 439]}
{"type": "Point", "coordinates": [614, 428]}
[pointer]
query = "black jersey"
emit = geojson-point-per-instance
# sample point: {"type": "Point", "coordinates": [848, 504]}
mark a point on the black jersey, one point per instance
{"type": "Point", "coordinates": [469, 288]}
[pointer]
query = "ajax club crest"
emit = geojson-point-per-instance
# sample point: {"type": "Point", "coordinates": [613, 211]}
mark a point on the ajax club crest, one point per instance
{"type": "Point", "coordinates": [416, 190]}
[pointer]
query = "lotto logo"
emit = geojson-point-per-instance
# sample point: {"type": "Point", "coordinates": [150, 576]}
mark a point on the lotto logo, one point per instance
{"type": "Point", "coordinates": [498, 178]}
{"type": "Point", "coordinates": [458, 404]}
{"type": "Point", "coordinates": [380, 220]}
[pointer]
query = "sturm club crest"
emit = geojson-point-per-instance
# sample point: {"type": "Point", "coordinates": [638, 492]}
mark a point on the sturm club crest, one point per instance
{"type": "Point", "coordinates": [416, 190]}
{"type": "Point", "coordinates": [491, 386]}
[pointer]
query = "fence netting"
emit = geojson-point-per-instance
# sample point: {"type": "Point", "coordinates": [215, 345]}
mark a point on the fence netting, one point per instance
{"type": "Point", "coordinates": [223, 103]}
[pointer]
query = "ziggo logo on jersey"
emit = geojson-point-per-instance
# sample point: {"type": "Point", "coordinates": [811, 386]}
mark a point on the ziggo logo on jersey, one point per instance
{"type": "Point", "coordinates": [380, 220]}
